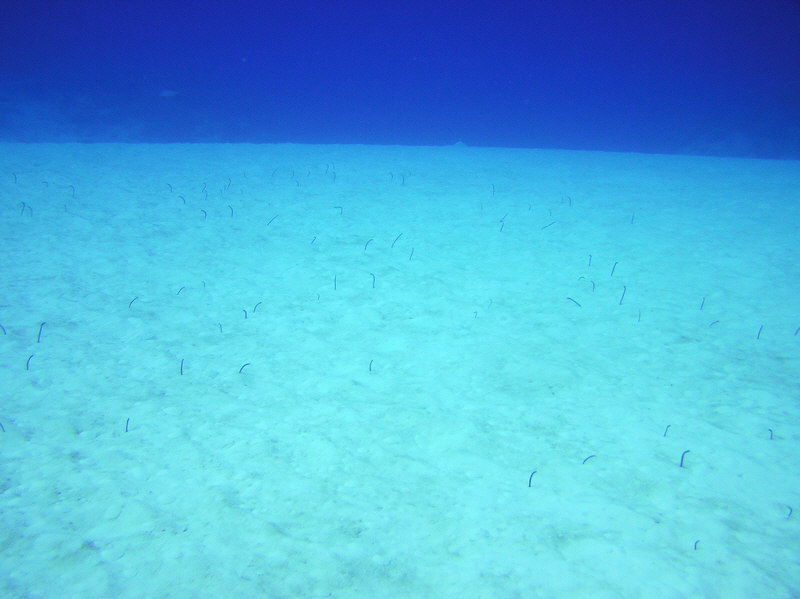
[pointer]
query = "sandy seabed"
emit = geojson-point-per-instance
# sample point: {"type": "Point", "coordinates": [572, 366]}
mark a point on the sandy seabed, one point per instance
{"type": "Point", "coordinates": [359, 371]}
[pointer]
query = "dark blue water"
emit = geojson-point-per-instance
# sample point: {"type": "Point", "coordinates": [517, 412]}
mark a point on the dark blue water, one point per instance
{"type": "Point", "coordinates": [709, 76]}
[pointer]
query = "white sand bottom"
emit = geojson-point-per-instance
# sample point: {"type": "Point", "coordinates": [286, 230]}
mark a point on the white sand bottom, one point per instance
{"type": "Point", "coordinates": [380, 440]}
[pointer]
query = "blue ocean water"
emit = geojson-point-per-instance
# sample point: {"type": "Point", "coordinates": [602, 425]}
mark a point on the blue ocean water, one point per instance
{"type": "Point", "coordinates": [708, 77]}
{"type": "Point", "coordinates": [357, 365]}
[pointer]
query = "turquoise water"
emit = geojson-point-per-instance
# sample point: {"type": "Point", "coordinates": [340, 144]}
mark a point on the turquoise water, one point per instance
{"type": "Point", "coordinates": [304, 299]}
